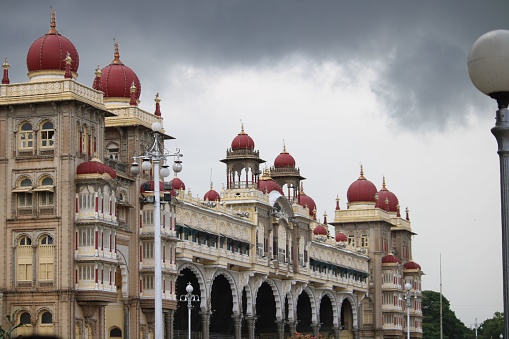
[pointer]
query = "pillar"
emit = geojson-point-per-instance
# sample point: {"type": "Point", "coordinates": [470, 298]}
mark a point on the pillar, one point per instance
{"type": "Point", "coordinates": [316, 329]}
{"type": "Point", "coordinates": [205, 324]}
{"type": "Point", "coordinates": [337, 332]}
{"type": "Point", "coordinates": [293, 326]}
{"type": "Point", "coordinates": [126, 320]}
{"type": "Point", "coordinates": [251, 320]}
{"type": "Point", "coordinates": [237, 326]}
{"type": "Point", "coordinates": [355, 332]}
{"type": "Point", "coordinates": [280, 329]}
{"type": "Point", "coordinates": [169, 316]}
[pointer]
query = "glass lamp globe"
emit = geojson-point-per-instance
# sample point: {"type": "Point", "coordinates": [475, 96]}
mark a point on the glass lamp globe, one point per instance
{"type": "Point", "coordinates": [177, 166]}
{"type": "Point", "coordinates": [135, 168]}
{"type": "Point", "coordinates": [408, 286]}
{"type": "Point", "coordinates": [165, 171]}
{"type": "Point", "coordinates": [146, 165]}
{"type": "Point", "coordinates": [157, 127]}
{"type": "Point", "coordinates": [488, 63]}
{"type": "Point", "coordinates": [189, 288]}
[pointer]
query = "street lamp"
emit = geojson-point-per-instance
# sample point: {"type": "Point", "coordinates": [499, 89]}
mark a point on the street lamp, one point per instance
{"type": "Point", "coordinates": [408, 287]}
{"type": "Point", "coordinates": [488, 68]}
{"type": "Point", "coordinates": [153, 156]}
{"type": "Point", "coordinates": [189, 297]}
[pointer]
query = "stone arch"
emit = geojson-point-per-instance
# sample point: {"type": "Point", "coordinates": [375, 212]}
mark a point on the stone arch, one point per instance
{"type": "Point", "coordinates": [233, 286]}
{"type": "Point", "coordinates": [335, 305]}
{"type": "Point", "coordinates": [292, 307]}
{"type": "Point", "coordinates": [350, 299]}
{"type": "Point", "coordinates": [312, 299]}
{"type": "Point", "coordinates": [277, 298]}
{"type": "Point", "coordinates": [250, 301]}
{"type": "Point", "coordinates": [201, 282]}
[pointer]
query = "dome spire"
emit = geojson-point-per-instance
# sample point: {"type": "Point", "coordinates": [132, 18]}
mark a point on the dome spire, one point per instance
{"type": "Point", "coordinates": [407, 214]}
{"type": "Point", "coordinates": [53, 23]}
{"type": "Point", "coordinates": [384, 188]}
{"type": "Point", "coordinates": [242, 127]}
{"type": "Point", "coordinates": [337, 203]}
{"type": "Point", "coordinates": [6, 66]}
{"type": "Point", "coordinates": [116, 55]}
{"type": "Point", "coordinates": [133, 102]}
{"type": "Point", "coordinates": [158, 108]}
{"type": "Point", "coordinates": [361, 177]}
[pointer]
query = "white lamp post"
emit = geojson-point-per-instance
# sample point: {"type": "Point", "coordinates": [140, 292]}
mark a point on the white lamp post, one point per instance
{"type": "Point", "coordinates": [155, 154]}
{"type": "Point", "coordinates": [408, 287]}
{"type": "Point", "coordinates": [189, 297]}
{"type": "Point", "coordinates": [488, 68]}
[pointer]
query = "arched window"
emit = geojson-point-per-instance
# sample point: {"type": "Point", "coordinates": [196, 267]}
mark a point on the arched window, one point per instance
{"type": "Point", "coordinates": [25, 330]}
{"type": "Point", "coordinates": [351, 240]}
{"type": "Point", "coordinates": [47, 133]}
{"type": "Point", "coordinates": [364, 240]}
{"type": "Point", "coordinates": [115, 333]}
{"type": "Point", "coordinates": [26, 136]}
{"type": "Point", "coordinates": [45, 191]}
{"type": "Point", "coordinates": [84, 140]}
{"type": "Point", "coordinates": [46, 258]}
{"type": "Point", "coordinates": [24, 256]}
{"type": "Point", "coordinates": [24, 192]}
{"type": "Point", "coordinates": [45, 324]}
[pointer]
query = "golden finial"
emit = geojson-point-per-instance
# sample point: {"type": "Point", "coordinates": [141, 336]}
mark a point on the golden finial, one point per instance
{"type": "Point", "coordinates": [6, 65]}
{"type": "Point", "coordinates": [384, 188]}
{"type": "Point", "coordinates": [98, 71]}
{"type": "Point", "coordinates": [362, 173]}
{"type": "Point", "coordinates": [53, 23]}
{"type": "Point", "coordinates": [157, 99]}
{"type": "Point", "coordinates": [242, 127]}
{"type": "Point", "coordinates": [284, 146]}
{"type": "Point", "coordinates": [133, 87]}
{"type": "Point", "coordinates": [68, 58]}
{"type": "Point", "coordinates": [116, 55]}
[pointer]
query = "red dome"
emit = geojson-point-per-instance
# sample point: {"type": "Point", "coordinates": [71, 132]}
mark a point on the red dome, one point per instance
{"type": "Point", "coordinates": [269, 185]}
{"type": "Point", "coordinates": [411, 265]}
{"type": "Point", "coordinates": [284, 159]}
{"type": "Point", "coordinates": [49, 51]}
{"type": "Point", "coordinates": [243, 141]}
{"type": "Point", "coordinates": [95, 167]}
{"type": "Point", "coordinates": [361, 190]}
{"type": "Point", "coordinates": [212, 195]}
{"type": "Point", "coordinates": [391, 259]}
{"type": "Point", "coordinates": [177, 185]}
{"type": "Point", "coordinates": [387, 200]}
{"type": "Point", "coordinates": [117, 78]}
{"type": "Point", "coordinates": [149, 187]}
{"type": "Point", "coordinates": [341, 237]}
{"type": "Point", "coordinates": [320, 230]}
{"type": "Point", "coordinates": [307, 201]}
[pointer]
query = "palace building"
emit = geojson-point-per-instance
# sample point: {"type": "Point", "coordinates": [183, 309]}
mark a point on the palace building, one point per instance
{"type": "Point", "coordinates": [78, 227]}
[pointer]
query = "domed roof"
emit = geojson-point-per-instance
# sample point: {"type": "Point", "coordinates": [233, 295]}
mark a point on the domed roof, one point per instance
{"type": "Point", "coordinates": [177, 185]}
{"type": "Point", "coordinates": [48, 52]}
{"type": "Point", "coordinates": [117, 79]}
{"type": "Point", "coordinates": [212, 195]}
{"type": "Point", "coordinates": [149, 186]}
{"type": "Point", "coordinates": [243, 141]}
{"type": "Point", "coordinates": [341, 237]}
{"type": "Point", "coordinates": [320, 230]}
{"type": "Point", "coordinates": [411, 265]}
{"type": "Point", "coordinates": [307, 201]}
{"type": "Point", "coordinates": [95, 167]}
{"type": "Point", "coordinates": [386, 200]}
{"type": "Point", "coordinates": [391, 259]}
{"type": "Point", "coordinates": [266, 184]}
{"type": "Point", "coordinates": [284, 159]}
{"type": "Point", "coordinates": [361, 190]}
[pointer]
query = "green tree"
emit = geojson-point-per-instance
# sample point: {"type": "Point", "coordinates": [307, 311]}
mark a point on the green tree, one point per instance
{"type": "Point", "coordinates": [12, 325]}
{"type": "Point", "coordinates": [453, 328]}
{"type": "Point", "coordinates": [492, 328]}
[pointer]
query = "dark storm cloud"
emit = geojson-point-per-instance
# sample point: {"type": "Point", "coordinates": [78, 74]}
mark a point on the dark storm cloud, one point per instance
{"type": "Point", "coordinates": [421, 47]}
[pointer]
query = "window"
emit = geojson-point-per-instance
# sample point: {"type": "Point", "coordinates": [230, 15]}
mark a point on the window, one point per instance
{"type": "Point", "coordinates": [364, 240]}
{"type": "Point", "coordinates": [26, 329]}
{"type": "Point", "coordinates": [26, 137]}
{"type": "Point", "coordinates": [24, 192]}
{"type": "Point", "coordinates": [47, 135]}
{"type": "Point", "coordinates": [115, 333]}
{"type": "Point", "coordinates": [113, 151]}
{"type": "Point", "coordinates": [45, 191]}
{"type": "Point", "coordinates": [45, 325]}
{"type": "Point", "coordinates": [45, 258]}
{"type": "Point", "coordinates": [351, 240]}
{"type": "Point", "coordinates": [24, 256]}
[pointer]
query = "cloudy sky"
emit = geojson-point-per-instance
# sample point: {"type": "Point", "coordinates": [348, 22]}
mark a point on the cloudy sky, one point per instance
{"type": "Point", "coordinates": [341, 83]}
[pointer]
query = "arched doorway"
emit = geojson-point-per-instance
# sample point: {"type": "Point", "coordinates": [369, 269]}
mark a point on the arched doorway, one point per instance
{"type": "Point", "coordinates": [180, 325]}
{"type": "Point", "coordinates": [326, 317]}
{"type": "Point", "coordinates": [221, 321]}
{"type": "Point", "coordinates": [304, 314]}
{"type": "Point", "coordinates": [266, 327]}
{"type": "Point", "coordinates": [346, 320]}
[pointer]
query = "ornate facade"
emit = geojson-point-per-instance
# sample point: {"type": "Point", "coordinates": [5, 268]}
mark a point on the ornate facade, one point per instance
{"type": "Point", "coordinates": [78, 228]}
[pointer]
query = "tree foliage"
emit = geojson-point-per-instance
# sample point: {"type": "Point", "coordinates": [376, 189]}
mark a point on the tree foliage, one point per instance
{"type": "Point", "coordinates": [12, 325]}
{"type": "Point", "coordinates": [492, 328]}
{"type": "Point", "coordinates": [453, 328]}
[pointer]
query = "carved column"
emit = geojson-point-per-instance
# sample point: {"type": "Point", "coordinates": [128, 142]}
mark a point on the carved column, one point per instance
{"type": "Point", "coordinates": [251, 326]}
{"type": "Point", "coordinates": [355, 332]}
{"type": "Point", "coordinates": [126, 319]}
{"type": "Point", "coordinates": [205, 324]}
{"type": "Point", "coordinates": [169, 316]}
{"type": "Point", "coordinates": [293, 327]}
{"type": "Point", "coordinates": [280, 329]}
{"type": "Point", "coordinates": [337, 332]}
{"type": "Point", "coordinates": [237, 326]}
{"type": "Point", "coordinates": [316, 329]}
